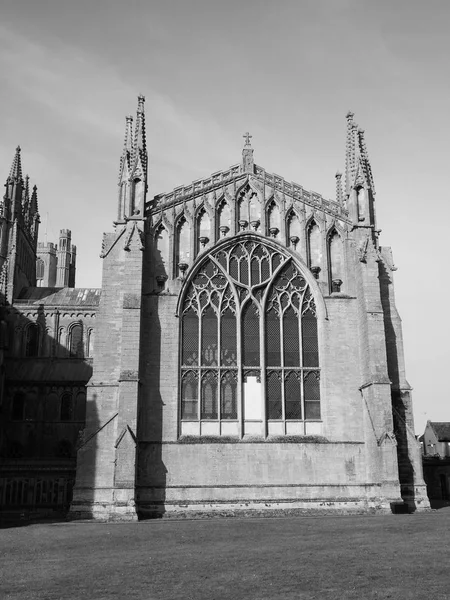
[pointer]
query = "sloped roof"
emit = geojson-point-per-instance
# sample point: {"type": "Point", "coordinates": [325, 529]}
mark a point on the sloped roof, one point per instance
{"type": "Point", "coordinates": [60, 296]}
{"type": "Point", "coordinates": [442, 430]}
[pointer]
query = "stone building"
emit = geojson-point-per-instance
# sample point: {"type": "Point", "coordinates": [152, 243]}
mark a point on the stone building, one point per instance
{"type": "Point", "coordinates": [248, 352]}
{"type": "Point", "coordinates": [46, 349]}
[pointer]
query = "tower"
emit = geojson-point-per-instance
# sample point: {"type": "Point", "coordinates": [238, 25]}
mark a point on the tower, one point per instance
{"type": "Point", "coordinates": [19, 228]}
{"type": "Point", "coordinates": [63, 255]}
{"type": "Point", "coordinates": [105, 484]}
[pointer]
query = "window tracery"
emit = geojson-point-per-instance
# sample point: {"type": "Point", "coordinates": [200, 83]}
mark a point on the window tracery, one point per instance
{"type": "Point", "coordinates": [249, 340]}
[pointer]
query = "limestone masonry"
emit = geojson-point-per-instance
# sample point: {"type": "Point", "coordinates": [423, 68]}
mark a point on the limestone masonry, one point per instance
{"type": "Point", "coordinates": [248, 353]}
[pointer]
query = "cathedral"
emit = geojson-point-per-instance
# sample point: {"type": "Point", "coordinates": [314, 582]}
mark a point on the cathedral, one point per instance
{"type": "Point", "coordinates": [244, 352]}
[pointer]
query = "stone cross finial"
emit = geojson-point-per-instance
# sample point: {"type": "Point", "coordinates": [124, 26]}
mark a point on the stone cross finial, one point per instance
{"type": "Point", "coordinates": [247, 137]}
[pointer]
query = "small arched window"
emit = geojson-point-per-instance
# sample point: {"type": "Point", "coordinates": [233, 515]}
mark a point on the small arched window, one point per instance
{"type": "Point", "coordinates": [32, 340]}
{"type": "Point", "coordinates": [76, 341]}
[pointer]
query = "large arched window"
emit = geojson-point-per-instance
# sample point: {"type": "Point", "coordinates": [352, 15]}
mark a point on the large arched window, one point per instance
{"type": "Point", "coordinates": [249, 341]}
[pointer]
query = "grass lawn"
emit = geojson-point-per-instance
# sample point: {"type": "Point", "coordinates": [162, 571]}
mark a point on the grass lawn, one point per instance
{"type": "Point", "coordinates": [364, 557]}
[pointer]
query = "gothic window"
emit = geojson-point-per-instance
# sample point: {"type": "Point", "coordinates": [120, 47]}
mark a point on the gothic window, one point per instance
{"type": "Point", "coordinates": [314, 248]}
{"type": "Point", "coordinates": [273, 219]}
{"type": "Point", "coordinates": [335, 261]}
{"type": "Point", "coordinates": [293, 228]}
{"type": "Point", "coordinates": [161, 252]}
{"type": "Point", "coordinates": [66, 412]}
{"type": "Point", "coordinates": [32, 340]}
{"type": "Point", "coordinates": [203, 230]}
{"type": "Point", "coordinates": [223, 219]}
{"type": "Point", "coordinates": [76, 348]}
{"type": "Point", "coordinates": [248, 337]}
{"type": "Point", "coordinates": [40, 268]}
{"type": "Point", "coordinates": [182, 245]}
{"type": "Point", "coordinates": [361, 203]}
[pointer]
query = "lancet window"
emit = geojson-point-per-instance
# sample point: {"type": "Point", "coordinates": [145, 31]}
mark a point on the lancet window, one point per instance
{"type": "Point", "coordinates": [335, 261]}
{"type": "Point", "coordinates": [249, 339]}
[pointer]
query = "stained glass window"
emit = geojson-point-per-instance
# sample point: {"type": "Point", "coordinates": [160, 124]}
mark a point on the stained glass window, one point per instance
{"type": "Point", "coordinates": [247, 307]}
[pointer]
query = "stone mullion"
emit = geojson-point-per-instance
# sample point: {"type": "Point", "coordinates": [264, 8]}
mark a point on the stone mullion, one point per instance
{"type": "Point", "coordinates": [240, 382]}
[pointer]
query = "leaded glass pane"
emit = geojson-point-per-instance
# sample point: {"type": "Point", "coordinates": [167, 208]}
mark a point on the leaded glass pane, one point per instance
{"type": "Point", "coordinates": [273, 339]}
{"type": "Point", "coordinates": [209, 337]}
{"type": "Point", "coordinates": [228, 344]}
{"type": "Point", "coordinates": [292, 394]}
{"type": "Point", "coordinates": [265, 269]}
{"type": "Point", "coordinates": [291, 345]}
{"type": "Point", "coordinates": [255, 271]}
{"type": "Point", "coordinates": [228, 395]}
{"type": "Point", "coordinates": [310, 341]}
{"type": "Point", "coordinates": [274, 400]}
{"type": "Point", "coordinates": [189, 395]}
{"type": "Point", "coordinates": [311, 386]}
{"type": "Point", "coordinates": [209, 395]}
{"type": "Point", "coordinates": [244, 271]}
{"type": "Point", "coordinates": [250, 336]}
{"type": "Point", "coordinates": [190, 338]}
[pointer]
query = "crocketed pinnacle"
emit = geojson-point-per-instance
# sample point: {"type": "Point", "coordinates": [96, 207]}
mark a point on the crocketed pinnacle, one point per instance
{"type": "Point", "coordinates": [139, 151]}
{"type": "Point", "coordinates": [34, 202]}
{"type": "Point", "coordinates": [364, 160]}
{"type": "Point", "coordinates": [350, 158]}
{"type": "Point", "coordinates": [16, 167]}
{"type": "Point", "coordinates": [125, 159]}
{"type": "Point", "coordinates": [26, 193]}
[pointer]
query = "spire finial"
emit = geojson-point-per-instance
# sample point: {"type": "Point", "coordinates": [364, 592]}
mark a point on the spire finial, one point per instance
{"type": "Point", "coordinates": [247, 137]}
{"type": "Point", "coordinates": [141, 100]}
{"type": "Point", "coordinates": [247, 154]}
{"type": "Point", "coordinates": [16, 167]}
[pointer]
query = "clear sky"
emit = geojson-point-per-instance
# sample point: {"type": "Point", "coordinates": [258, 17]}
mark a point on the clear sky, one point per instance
{"type": "Point", "coordinates": [287, 71]}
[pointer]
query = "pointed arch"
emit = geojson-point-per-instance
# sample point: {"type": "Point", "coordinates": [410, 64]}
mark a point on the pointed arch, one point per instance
{"type": "Point", "coordinates": [202, 229]}
{"type": "Point", "coordinates": [273, 218]}
{"type": "Point", "coordinates": [223, 219]}
{"type": "Point", "coordinates": [336, 267]}
{"type": "Point", "coordinates": [361, 203]}
{"type": "Point", "coordinates": [314, 245]}
{"type": "Point", "coordinates": [293, 227]}
{"type": "Point", "coordinates": [161, 251]}
{"type": "Point", "coordinates": [248, 337]}
{"type": "Point", "coordinates": [182, 243]}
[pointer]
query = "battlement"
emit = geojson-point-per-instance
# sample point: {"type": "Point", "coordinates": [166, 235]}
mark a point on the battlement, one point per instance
{"type": "Point", "coordinates": [46, 247]}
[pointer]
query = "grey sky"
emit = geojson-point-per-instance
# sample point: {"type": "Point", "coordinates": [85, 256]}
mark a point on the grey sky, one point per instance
{"type": "Point", "coordinates": [288, 72]}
